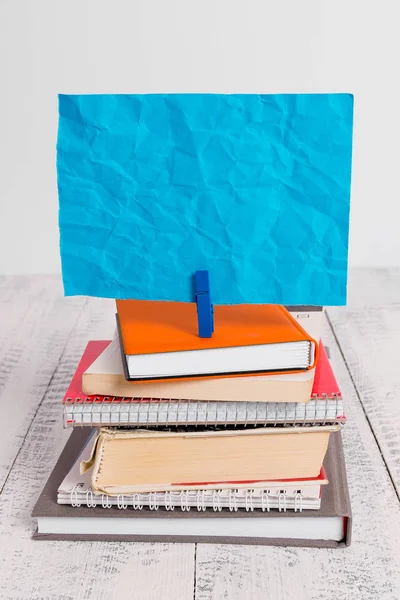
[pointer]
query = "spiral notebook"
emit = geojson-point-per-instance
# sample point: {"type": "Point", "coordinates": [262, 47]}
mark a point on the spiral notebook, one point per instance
{"type": "Point", "coordinates": [324, 407]}
{"type": "Point", "coordinates": [289, 494]}
{"type": "Point", "coordinates": [328, 527]}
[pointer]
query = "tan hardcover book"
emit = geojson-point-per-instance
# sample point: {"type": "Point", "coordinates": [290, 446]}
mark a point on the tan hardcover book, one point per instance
{"type": "Point", "coordinates": [285, 494]}
{"type": "Point", "coordinates": [134, 461]}
{"type": "Point", "coordinates": [105, 377]}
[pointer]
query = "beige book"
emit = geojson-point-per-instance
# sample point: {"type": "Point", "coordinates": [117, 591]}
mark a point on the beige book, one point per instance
{"type": "Point", "coordinates": [135, 461]}
{"type": "Point", "coordinates": [106, 377]}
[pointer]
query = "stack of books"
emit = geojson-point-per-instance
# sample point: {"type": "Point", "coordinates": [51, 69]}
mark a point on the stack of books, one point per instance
{"type": "Point", "coordinates": [235, 438]}
{"type": "Point", "coordinates": [213, 220]}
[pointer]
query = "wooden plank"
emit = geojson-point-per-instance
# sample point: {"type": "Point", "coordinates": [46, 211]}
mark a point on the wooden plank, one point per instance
{"type": "Point", "coordinates": [76, 570]}
{"type": "Point", "coordinates": [368, 287]}
{"type": "Point", "coordinates": [369, 569]}
{"type": "Point", "coordinates": [88, 570]}
{"type": "Point", "coordinates": [368, 332]}
{"type": "Point", "coordinates": [35, 324]}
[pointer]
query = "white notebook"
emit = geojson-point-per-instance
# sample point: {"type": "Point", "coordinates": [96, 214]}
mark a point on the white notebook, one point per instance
{"type": "Point", "coordinates": [240, 359]}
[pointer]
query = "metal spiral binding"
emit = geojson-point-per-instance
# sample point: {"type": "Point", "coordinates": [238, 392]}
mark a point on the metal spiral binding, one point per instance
{"type": "Point", "coordinates": [105, 501]}
{"type": "Point", "coordinates": [90, 499]}
{"type": "Point", "coordinates": [153, 505]}
{"type": "Point", "coordinates": [265, 499]}
{"type": "Point", "coordinates": [186, 499]}
{"type": "Point", "coordinates": [232, 501]}
{"type": "Point", "coordinates": [282, 501]}
{"type": "Point", "coordinates": [249, 501]}
{"type": "Point", "coordinates": [136, 504]}
{"type": "Point", "coordinates": [74, 498]}
{"type": "Point", "coordinates": [298, 502]}
{"type": "Point", "coordinates": [144, 412]}
{"type": "Point", "coordinates": [216, 503]}
{"type": "Point", "coordinates": [200, 501]}
{"type": "Point", "coordinates": [168, 501]}
{"type": "Point", "coordinates": [121, 502]}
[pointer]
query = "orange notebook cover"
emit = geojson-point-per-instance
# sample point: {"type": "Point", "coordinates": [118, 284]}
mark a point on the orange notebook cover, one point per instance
{"type": "Point", "coordinates": [148, 327]}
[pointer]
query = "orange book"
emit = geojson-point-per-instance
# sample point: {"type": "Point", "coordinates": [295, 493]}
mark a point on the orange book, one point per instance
{"type": "Point", "coordinates": [160, 340]}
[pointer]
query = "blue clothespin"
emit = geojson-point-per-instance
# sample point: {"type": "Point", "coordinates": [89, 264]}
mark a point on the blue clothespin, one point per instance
{"type": "Point", "coordinates": [205, 310]}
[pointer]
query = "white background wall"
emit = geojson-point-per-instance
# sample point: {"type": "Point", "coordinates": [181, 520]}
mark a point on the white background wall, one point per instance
{"type": "Point", "coordinates": [78, 46]}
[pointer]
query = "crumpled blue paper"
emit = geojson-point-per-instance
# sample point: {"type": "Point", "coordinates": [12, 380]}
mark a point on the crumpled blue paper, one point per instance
{"type": "Point", "coordinates": [253, 188]}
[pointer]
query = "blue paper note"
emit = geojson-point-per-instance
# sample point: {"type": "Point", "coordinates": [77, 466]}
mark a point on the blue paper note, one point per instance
{"type": "Point", "coordinates": [253, 188]}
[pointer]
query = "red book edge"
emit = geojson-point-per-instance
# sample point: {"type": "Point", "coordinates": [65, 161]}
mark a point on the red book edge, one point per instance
{"type": "Point", "coordinates": [325, 384]}
{"type": "Point", "coordinates": [320, 479]}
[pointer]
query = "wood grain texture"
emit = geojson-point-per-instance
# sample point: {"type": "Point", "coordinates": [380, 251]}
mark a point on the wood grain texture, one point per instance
{"type": "Point", "coordinates": [372, 287]}
{"type": "Point", "coordinates": [42, 338]}
{"type": "Point", "coordinates": [368, 333]}
{"type": "Point", "coordinates": [68, 570]}
{"type": "Point", "coordinates": [36, 323]}
{"type": "Point", "coordinates": [369, 569]}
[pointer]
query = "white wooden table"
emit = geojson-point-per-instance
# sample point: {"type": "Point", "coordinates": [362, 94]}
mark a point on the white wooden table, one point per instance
{"type": "Point", "coordinates": [42, 336]}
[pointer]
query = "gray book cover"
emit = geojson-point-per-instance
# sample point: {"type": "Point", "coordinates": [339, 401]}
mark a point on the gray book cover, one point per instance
{"type": "Point", "coordinates": [335, 503]}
